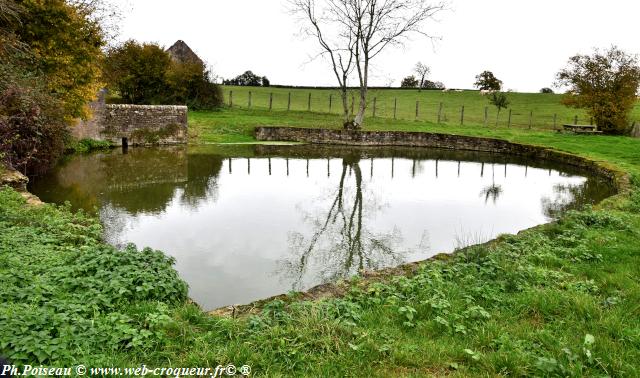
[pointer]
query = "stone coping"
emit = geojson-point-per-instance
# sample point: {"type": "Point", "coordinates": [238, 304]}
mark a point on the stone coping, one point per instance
{"type": "Point", "coordinates": [146, 107]}
{"type": "Point", "coordinates": [618, 179]}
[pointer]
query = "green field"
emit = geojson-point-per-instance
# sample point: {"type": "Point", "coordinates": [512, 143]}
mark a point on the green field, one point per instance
{"type": "Point", "coordinates": [559, 300]}
{"type": "Point", "coordinates": [540, 108]}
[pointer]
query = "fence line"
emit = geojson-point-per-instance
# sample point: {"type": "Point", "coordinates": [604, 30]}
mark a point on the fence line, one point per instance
{"type": "Point", "coordinates": [437, 112]}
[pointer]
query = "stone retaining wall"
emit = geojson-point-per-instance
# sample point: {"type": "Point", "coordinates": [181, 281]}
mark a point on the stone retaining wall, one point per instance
{"type": "Point", "coordinates": [135, 124]}
{"type": "Point", "coordinates": [432, 140]}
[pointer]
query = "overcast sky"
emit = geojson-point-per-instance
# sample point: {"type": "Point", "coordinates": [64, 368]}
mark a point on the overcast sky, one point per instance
{"type": "Point", "coordinates": [523, 42]}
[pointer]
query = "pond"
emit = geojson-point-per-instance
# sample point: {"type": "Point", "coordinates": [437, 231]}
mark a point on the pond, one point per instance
{"type": "Point", "coordinates": [249, 222]}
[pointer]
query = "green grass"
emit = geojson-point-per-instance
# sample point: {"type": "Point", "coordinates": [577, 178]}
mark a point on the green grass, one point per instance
{"type": "Point", "coordinates": [543, 106]}
{"type": "Point", "coordinates": [559, 300]}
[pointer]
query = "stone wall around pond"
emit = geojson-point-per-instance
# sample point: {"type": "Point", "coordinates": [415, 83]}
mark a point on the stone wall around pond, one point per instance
{"type": "Point", "coordinates": [433, 140]}
{"type": "Point", "coordinates": [135, 124]}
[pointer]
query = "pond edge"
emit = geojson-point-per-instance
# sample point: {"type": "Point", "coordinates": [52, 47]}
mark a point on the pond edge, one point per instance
{"type": "Point", "coordinates": [617, 178]}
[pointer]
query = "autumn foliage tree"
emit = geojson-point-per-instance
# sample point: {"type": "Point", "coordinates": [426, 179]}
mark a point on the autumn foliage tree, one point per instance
{"type": "Point", "coordinates": [605, 84]}
{"type": "Point", "coordinates": [65, 45]}
{"type": "Point", "coordinates": [49, 68]}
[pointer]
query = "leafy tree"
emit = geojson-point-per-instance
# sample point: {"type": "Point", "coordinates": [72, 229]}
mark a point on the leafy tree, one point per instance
{"type": "Point", "coordinates": [138, 72]}
{"type": "Point", "coordinates": [189, 84]}
{"type": "Point", "coordinates": [428, 84]}
{"type": "Point", "coordinates": [500, 101]}
{"type": "Point", "coordinates": [488, 82]}
{"type": "Point", "coordinates": [146, 74]}
{"type": "Point", "coordinates": [409, 82]}
{"type": "Point", "coordinates": [49, 54]}
{"type": "Point", "coordinates": [422, 70]}
{"type": "Point", "coordinates": [248, 79]}
{"type": "Point", "coordinates": [65, 45]}
{"type": "Point", "coordinates": [605, 84]}
{"type": "Point", "coordinates": [546, 90]}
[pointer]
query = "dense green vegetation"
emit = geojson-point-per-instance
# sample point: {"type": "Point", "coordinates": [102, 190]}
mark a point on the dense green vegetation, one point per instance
{"type": "Point", "coordinates": [543, 105]}
{"type": "Point", "coordinates": [66, 294]}
{"type": "Point", "coordinates": [147, 74]}
{"type": "Point", "coordinates": [49, 69]}
{"type": "Point", "coordinates": [559, 300]}
{"type": "Point", "coordinates": [88, 145]}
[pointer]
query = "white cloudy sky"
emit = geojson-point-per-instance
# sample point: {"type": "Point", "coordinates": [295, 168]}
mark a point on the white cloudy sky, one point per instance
{"type": "Point", "coordinates": [524, 42]}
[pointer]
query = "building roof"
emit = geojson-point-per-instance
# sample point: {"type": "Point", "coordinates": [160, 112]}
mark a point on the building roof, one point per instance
{"type": "Point", "coordinates": [182, 53]}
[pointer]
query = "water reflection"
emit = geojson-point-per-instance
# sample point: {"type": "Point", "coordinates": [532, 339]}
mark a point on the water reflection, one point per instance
{"type": "Point", "coordinates": [492, 191]}
{"type": "Point", "coordinates": [341, 244]}
{"type": "Point", "coordinates": [248, 222]}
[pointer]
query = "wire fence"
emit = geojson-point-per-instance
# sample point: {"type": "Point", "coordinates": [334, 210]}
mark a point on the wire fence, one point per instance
{"type": "Point", "coordinates": [403, 109]}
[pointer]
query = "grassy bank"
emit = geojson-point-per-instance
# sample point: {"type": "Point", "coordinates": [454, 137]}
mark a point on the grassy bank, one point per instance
{"type": "Point", "coordinates": [558, 300]}
{"type": "Point", "coordinates": [541, 108]}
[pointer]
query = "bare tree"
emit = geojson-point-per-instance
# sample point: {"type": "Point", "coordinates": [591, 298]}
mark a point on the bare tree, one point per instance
{"type": "Point", "coordinates": [360, 31]}
{"type": "Point", "coordinates": [422, 70]}
{"type": "Point", "coordinates": [336, 41]}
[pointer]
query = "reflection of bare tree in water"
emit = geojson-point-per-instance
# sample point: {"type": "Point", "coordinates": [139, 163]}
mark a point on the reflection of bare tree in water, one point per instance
{"type": "Point", "coordinates": [341, 244]}
{"type": "Point", "coordinates": [492, 191]}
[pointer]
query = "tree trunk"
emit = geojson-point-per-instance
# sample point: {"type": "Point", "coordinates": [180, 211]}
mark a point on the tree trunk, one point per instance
{"type": "Point", "coordinates": [345, 106]}
{"type": "Point", "coordinates": [359, 120]}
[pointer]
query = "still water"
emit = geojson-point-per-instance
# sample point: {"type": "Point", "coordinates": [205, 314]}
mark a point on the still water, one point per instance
{"type": "Point", "coordinates": [249, 222]}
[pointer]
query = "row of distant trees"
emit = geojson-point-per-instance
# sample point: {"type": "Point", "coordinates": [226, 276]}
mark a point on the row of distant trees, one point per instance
{"type": "Point", "coordinates": [485, 81]}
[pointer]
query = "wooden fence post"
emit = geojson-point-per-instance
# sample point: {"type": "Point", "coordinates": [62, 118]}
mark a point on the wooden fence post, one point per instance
{"type": "Point", "coordinates": [289, 102]}
{"type": "Point", "coordinates": [353, 101]}
{"type": "Point", "coordinates": [374, 106]}
{"type": "Point", "coordinates": [249, 99]}
{"type": "Point", "coordinates": [440, 113]}
{"type": "Point", "coordinates": [530, 119]}
{"type": "Point", "coordinates": [555, 118]}
{"type": "Point", "coordinates": [591, 121]}
{"type": "Point", "coordinates": [330, 101]}
{"type": "Point", "coordinates": [395, 107]}
{"type": "Point", "coordinates": [417, 108]}
{"type": "Point", "coordinates": [575, 120]}
{"type": "Point", "coordinates": [230, 99]}
{"type": "Point", "coordinates": [486, 115]}
{"type": "Point", "coordinates": [270, 101]}
{"type": "Point", "coordinates": [462, 115]}
{"type": "Point", "coordinates": [509, 122]}
{"type": "Point", "coordinates": [309, 103]}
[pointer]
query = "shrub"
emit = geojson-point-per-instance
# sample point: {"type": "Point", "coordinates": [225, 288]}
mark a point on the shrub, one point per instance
{"type": "Point", "coordinates": [32, 128]}
{"type": "Point", "coordinates": [546, 90]}
{"type": "Point", "coordinates": [88, 145]}
{"type": "Point", "coordinates": [66, 295]}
